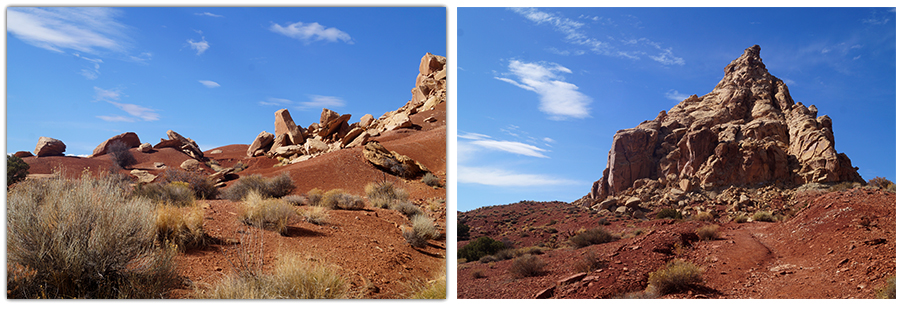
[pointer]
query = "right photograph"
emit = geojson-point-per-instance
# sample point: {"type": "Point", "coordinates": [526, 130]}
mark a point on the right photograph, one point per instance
{"type": "Point", "coordinates": [676, 153]}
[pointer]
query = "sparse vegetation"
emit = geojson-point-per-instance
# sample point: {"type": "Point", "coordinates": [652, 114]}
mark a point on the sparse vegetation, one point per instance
{"type": "Point", "coordinates": [259, 211]}
{"type": "Point", "coordinates": [527, 266]}
{"type": "Point", "coordinates": [16, 169]}
{"type": "Point", "coordinates": [462, 231]}
{"type": "Point", "coordinates": [180, 228]}
{"type": "Point", "coordinates": [843, 186]}
{"type": "Point", "coordinates": [292, 278]}
{"type": "Point", "coordinates": [703, 216]}
{"type": "Point", "coordinates": [120, 154]}
{"type": "Point", "coordinates": [593, 236]}
{"type": "Point", "coordinates": [708, 232]}
{"type": "Point", "coordinates": [669, 213]}
{"type": "Point", "coordinates": [83, 238]}
{"type": "Point", "coordinates": [431, 180]}
{"type": "Point", "coordinates": [483, 246]}
{"type": "Point", "coordinates": [385, 194]}
{"type": "Point", "coordinates": [294, 200]}
{"type": "Point", "coordinates": [275, 187]}
{"type": "Point", "coordinates": [201, 186]}
{"type": "Point", "coordinates": [676, 276]}
{"type": "Point", "coordinates": [421, 231]}
{"type": "Point", "coordinates": [478, 273]}
{"type": "Point", "coordinates": [407, 208]}
{"type": "Point", "coordinates": [175, 193]}
{"type": "Point", "coordinates": [889, 290]}
{"type": "Point", "coordinates": [589, 262]}
{"type": "Point", "coordinates": [882, 183]}
{"type": "Point", "coordinates": [432, 289]}
{"type": "Point", "coordinates": [741, 218]}
{"type": "Point", "coordinates": [314, 196]}
{"type": "Point", "coordinates": [314, 215]}
{"type": "Point", "coordinates": [763, 216]}
{"type": "Point", "coordinates": [338, 199]}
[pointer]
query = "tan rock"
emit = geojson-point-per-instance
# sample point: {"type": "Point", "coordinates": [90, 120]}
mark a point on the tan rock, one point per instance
{"type": "Point", "coordinates": [315, 146]}
{"type": "Point", "coordinates": [389, 161]}
{"type": "Point", "coordinates": [190, 165]}
{"type": "Point", "coordinates": [350, 136]}
{"type": "Point", "coordinates": [284, 124]}
{"type": "Point", "coordinates": [262, 142]}
{"type": "Point", "coordinates": [49, 147]}
{"type": "Point", "coordinates": [130, 140]}
{"type": "Point", "coordinates": [145, 147]}
{"type": "Point", "coordinates": [143, 177]}
{"type": "Point", "coordinates": [366, 120]}
{"type": "Point", "coordinates": [334, 125]}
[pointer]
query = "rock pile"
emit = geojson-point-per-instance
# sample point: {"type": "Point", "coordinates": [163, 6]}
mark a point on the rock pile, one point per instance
{"type": "Point", "coordinates": [747, 132]}
{"type": "Point", "coordinates": [178, 142]}
{"type": "Point", "coordinates": [291, 143]}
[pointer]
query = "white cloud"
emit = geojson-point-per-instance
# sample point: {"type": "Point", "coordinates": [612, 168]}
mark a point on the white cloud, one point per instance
{"type": "Point", "coordinates": [208, 14]}
{"type": "Point", "coordinates": [276, 101]}
{"type": "Point", "coordinates": [667, 58]}
{"type": "Point", "coordinates": [790, 82]}
{"type": "Point", "coordinates": [675, 95]}
{"type": "Point", "coordinates": [106, 94]}
{"type": "Point", "coordinates": [209, 84]}
{"type": "Point", "coordinates": [83, 29]}
{"type": "Point", "coordinates": [112, 96]}
{"type": "Point", "coordinates": [146, 114]}
{"type": "Point", "coordinates": [93, 72]}
{"type": "Point", "coordinates": [485, 141]}
{"type": "Point", "coordinates": [311, 32]}
{"type": "Point", "coordinates": [473, 136]}
{"type": "Point", "coordinates": [201, 46]}
{"type": "Point", "coordinates": [559, 99]}
{"type": "Point", "coordinates": [548, 140]}
{"type": "Point", "coordinates": [323, 102]}
{"type": "Point", "coordinates": [115, 118]}
{"type": "Point", "coordinates": [500, 177]}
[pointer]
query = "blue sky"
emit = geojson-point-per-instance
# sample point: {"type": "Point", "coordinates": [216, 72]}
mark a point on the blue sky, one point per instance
{"type": "Point", "coordinates": [542, 91]}
{"type": "Point", "coordinates": [214, 74]}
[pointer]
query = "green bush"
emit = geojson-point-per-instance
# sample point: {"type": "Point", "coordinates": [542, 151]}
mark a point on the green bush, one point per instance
{"type": "Point", "coordinates": [593, 236]}
{"type": "Point", "coordinates": [276, 187]}
{"type": "Point", "coordinates": [677, 275]}
{"type": "Point", "coordinates": [527, 266]}
{"type": "Point", "coordinates": [385, 194]}
{"type": "Point", "coordinates": [176, 193]}
{"type": "Point", "coordinates": [668, 213]}
{"type": "Point", "coordinates": [462, 231]}
{"type": "Point", "coordinates": [16, 169]}
{"type": "Point", "coordinates": [202, 187]}
{"type": "Point", "coordinates": [763, 216]}
{"type": "Point", "coordinates": [709, 232]}
{"type": "Point", "coordinates": [84, 238]}
{"type": "Point", "coordinates": [480, 247]}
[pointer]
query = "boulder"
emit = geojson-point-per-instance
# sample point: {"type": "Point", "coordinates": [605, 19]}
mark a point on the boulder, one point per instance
{"type": "Point", "coordinates": [284, 124]}
{"type": "Point", "coordinates": [179, 142]}
{"type": "Point", "coordinates": [327, 116]}
{"type": "Point", "coordinates": [262, 142]}
{"type": "Point", "coordinates": [130, 140]}
{"type": "Point", "coordinates": [396, 121]}
{"type": "Point", "coordinates": [608, 204]}
{"type": "Point", "coordinates": [350, 136]}
{"type": "Point", "coordinates": [143, 177]}
{"type": "Point", "coordinates": [334, 125]}
{"type": "Point", "coordinates": [366, 120]}
{"type": "Point", "coordinates": [289, 150]}
{"type": "Point", "coordinates": [315, 146]}
{"type": "Point", "coordinates": [23, 154]}
{"type": "Point", "coordinates": [49, 147]}
{"type": "Point", "coordinates": [633, 202]}
{"type": "Point", "coordinates": [190, 165]}
{"type": "Point", "coordinates": [145, 147]}
{"type": "Point", "coordinates": [397, 164]}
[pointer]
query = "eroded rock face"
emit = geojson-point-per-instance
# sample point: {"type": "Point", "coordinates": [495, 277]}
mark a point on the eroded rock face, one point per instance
{"type": "Point", "coordinates": [262, 142]}
{"type": "Point", "coordinates": [179, 142]}
{"type": "Point", "coordinates": [390, 161]}
{"type": "Point", "coordinates": [129, 138]}
{"type": "Point", "coordinates": [49, 147]}
{"type": "Point", "coordinates": [284, 125]}
{"type": "Point", "coordinates": [746, 131]}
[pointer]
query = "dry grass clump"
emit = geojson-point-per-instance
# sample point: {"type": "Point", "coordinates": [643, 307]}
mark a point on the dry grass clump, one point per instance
{"type": "Point", "coordinates": [589, 262]}
{"type": "Point", "coordinates": [527, 266]}
{"type": "Point", "coordinates": [407, 208]}
{"type": "Point", "coordinates": [889, 291]}
{"type": "Point", "coordinates": [593, 236]}
{"type": "Point", "coordinates": [668, 213]}
{"type": "Point", "coordinates": [881, 182]}
{"type": "Point", "coordinates": [314, 215]}
{"type": "Point", "coordinates": [338, 199]}
{"type": "Point", "coordinates": [314, 196]}
{"type": "Point", "coordinates": [478, 274]}
{"type": "Point", "coordinates": [385, 194]}
{"type": "Point", "coordinates": [267, 213]}
{"type": "Point", "coordinates": [83, 238]}
{"type": "Point", "coordinates": [180, 228]}
{"type": "Point", "coordinates": [741, 218]}
{"type": "Point", "coordinates": [843, 186]}
{"type": "Point", "coordinates": [176, 193]}
{"type": "Point", "coordinates": [295, 200]}
{"type": "Point", "coordinates": [431, 180]}
{"type": "Point", "coordinates": [763, 216]}
{"type": "Point", "coordinates": [703, 216]}
{"type": "Point", "coordinates": [708, 232]}
{"type": "Point", "coordinates": [292, 278]}
{"type": "Point", "coordinates": [433, 289]}
{"type": "Point", "coordinates": [676, 276]}
{"type": "Point", "coordinates": [275, 187]}
{"type": "Point", "coordinates": [421, 231]}
{"type": "Point", "coordinates": [200, 185]}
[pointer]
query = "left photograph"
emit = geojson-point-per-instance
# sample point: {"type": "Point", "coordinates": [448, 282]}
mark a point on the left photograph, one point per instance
{"type": "Point", "coordinates": [301, 153]}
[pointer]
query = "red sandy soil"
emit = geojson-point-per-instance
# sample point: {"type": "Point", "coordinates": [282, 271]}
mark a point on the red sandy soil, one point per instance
{"type": "Point", "coordinates": [842, 245]}
{"type": "Point", "coordinates": [365, 246]}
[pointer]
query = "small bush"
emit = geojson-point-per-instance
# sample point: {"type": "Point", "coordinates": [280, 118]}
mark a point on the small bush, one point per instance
{"type": "Point", "coordinates": [505, 254]}
{"type": "Point", "coordinates": [594, 236]}
{"type": "Point", "coordinates": [843, 186]}
{"type": "Point", "coordinates": [709, 232]}
{"type": "Point", "coordinates": [741, 218]}
{"type": "Point", "coordinates": [488, 259]}
{"type": "Point", "coordinates": [703, 217]}
{"type": "Point", "coordinates": [267, 213]}
{"type": "Point", "coordinates": [408, 208]}
{"type": "Point", "coordinates": [314, 215]}
{"type": "Point", "coordinates": [535, 250]}
{"type": "Point", "coordinates": [462, 231]}
{"type": "Point", "coordinates": [676, 276]}
{"type": "Point", "coordinates": [763, 216]}
{"type": "Point", "coordinates": [202, 187]}
{"type": "Point", "coordinates": [527, 266]}
{"type": "Point", "coordinates": [292, 278]}
{"type": "Point", "coordinates": [183, 229]}
{"type": "Point", "coordinates": [120, 154]}
{"type": "Point", "coordinates": [421, 231]}
{"type": "Point", "coordinates": [431, 180]}
{"type": "Point", "coordinates": [295, 200]}
{"type": "Point", "coordinates": [314, 196]}
{"type": "Point", "coordinates": [433, 289]}
{"type": "Point", "coordinates": [668, 213]}
{"type": "Point", "coordinates": [883, 183]}
{"type": "Point", "coordinates": [276, 187]}
{"type": "Point", "coordinates": [889, 291]}
{"type": "Point", "coordinates": [478, 274]}
{"type": "Point", "coordinates": [385, 194]}
{"type": "Point", "coordinates": [16, 169]}
{"type": "Point", "coordinates": [338, 199]}
{"type": "Point", "coordinates": [603, 221]}
{"type": "Point", "coordinates": [480, 247]}
{"type": "Point", "coordinates": [589, 262]}
{"type": "Point", "coordinates": [176, 193]}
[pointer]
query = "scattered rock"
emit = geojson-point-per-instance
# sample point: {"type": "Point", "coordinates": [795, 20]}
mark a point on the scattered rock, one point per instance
{"type": "Point", "coordinates": [633, 202]}
{"type": "Point", "coordinates": [571, 279]}
{"type": "Point", "coordinates": [145, 147]}
{"type": "Point", "coordinates": [23, 154]}
{"type": "Point", "coordinates": [143, 176]}
{"type": "Point", "coordinates": [545, 293]}
{"type": "Point", "coordinates": [49, 147]}
{"type": "Point", "coordinates": [190, 165]}
{"type": "Point", "coordinates": [130, 140]}
{"type": "Point", "coordinates": [262, 143]}
{"type": "Point", "coordinates": [213, 152]}
{"type": "Point", "coordinates": [284, 124]}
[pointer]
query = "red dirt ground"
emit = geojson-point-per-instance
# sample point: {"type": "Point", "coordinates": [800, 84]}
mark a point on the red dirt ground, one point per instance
{"type": "Point", "coordinates": [842, 245]}
{"type": "Point", "coordinates": [364, 245]}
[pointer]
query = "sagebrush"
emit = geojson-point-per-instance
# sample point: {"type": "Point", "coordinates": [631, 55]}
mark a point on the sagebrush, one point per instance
{"type": "Point", "coordinates": [527, 266]}
{"type": "Point", "coordinates": [292, 278]}
{"type": "Point", "coordinates": [385, 194]}
{"type": "Point", "coordinates": [596, 235]}
{"type": "Point", "coordinates": [276, 187]}
{"type": "Point", "coordinates": [16, 169]}
{"type": "Point", "coordinates": [677, 275]}
{"type": "Point", "coordinates": [268, 213]}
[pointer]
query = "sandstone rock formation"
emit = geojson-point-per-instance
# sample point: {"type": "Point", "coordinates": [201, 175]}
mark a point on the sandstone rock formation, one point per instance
{"type": "Point", "coordinates": [261, 144]}
{"type": "Point", "coordinates": [390, 161]}
{"type": "Point", "coordinates": [145, 147]}
{"type": "Point", "coordinates": [49, 147]}
{"type": "Point", "coordinates": [190, 165]}
{"type": "Point", "coordinates": [130, 140]}
{"type": "Point", "coordinates": [143, 176]}
{"type": "Point", "coordinates": [185, 145]}
{"type": "Point", "coordinates": [747, 131]}
{"type": "Point", "coordinates": [23, 154]}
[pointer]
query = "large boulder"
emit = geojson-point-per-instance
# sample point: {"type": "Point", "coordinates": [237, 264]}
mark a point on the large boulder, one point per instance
{"type": "Point", "coordinates": [179, 142]}
{"type": "Point", "coordinates": [390, 161]}
{"type": "Point", "coordinates": [284, 125]}
{"type": "Point", "coordinates": [262, 142]}
{"type": "Point", "coordinates": [143, 176]}
{"type": "Point", "coordinates": [49, 147]}
{"type": "Point", "coordinates": [145, 147]}
{"type": "Point", "coordinates": [130, 140]}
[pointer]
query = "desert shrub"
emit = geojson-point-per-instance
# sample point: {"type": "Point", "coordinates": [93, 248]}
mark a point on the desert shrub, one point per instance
{"type": "Point", "coordinates": [708, 232]}
{"type": "Point", "coordinates": [603, 221]}
{"type": "Point", "coordinates": [593, 236]}
{"type": "Point", "coordinates": [703, 216]}
{"type": "Point", "coordinates": [16, 169]}
{"type": "Point", "coordinates": [238, 167]}
{"type": "Point", "coordinates": [292, 278]}
{"type": "Point", "coordinates": [480, 247]}
{"type": "Point", "coordinates": [295, 200]}
{"type": "Point", "coordinates": [668, 213]}
{"type": "Point", "coordinates": [741, 218]}
{"type": "Point", "coordinates": [259, 211]}
{"type": "Point", "coordinates": [431, 180]}
{"type": "Point", "coordinates": [180, 228]}
{"type": "Point", "coordinates": [385, 194]}
{"type": "Point", "coordinates": [478, 274]}
{"type": "Point", "coordinates": [504, 254]}
{"type": "Point", "coordinates": [589, 262]}
{"type": "Point", "coordinates": [176, 193]}
{"type": "Point", "coordinates": [421, 231]}
{"type": "Point", "coordinates": [843, 186]}
{"type": "Point", "coordinates": [83, 238]}
{"type": "Point", "coordinates": [314, 196]}
{"type": "Point", "coordinates": [338, 199]}
{"type": "Point", "coordinates": [763, 216]}
{"type": "Point", "coordinates": [462, 231]}
{"type": "Point", "coordinates": [675, 276]}
{"type": "Point", "coordinates": [527, 266]}
{"type": "Point", "coordinates": [534, 250]}
{"type": "Point", "coordinates": [433, 289]}
{"type": "Point", "coordinates": [407, 208]}
{"type": "Point", "coordinates": [276, 187]}
{"type": "Point", "coordinates": [200, 185]}
{"type": "Point", "coordinates": [883, 183]}
{"type": "Point", "coordinates": [889, 291]}
{"type": "Point", "coordinates": [120, 154]}
{"type": "Point", "coordinates": [314, 215]}
{"type": "Point", "coordinates": [395, 167]}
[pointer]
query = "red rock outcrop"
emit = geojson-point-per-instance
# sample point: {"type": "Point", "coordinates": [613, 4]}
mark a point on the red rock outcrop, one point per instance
{"type": "Point", "coordinates": [129, 138]}
{"type": "Point", "coordinates": [746, 131]}
{"type": "Point", "coordinates": [49, 147]}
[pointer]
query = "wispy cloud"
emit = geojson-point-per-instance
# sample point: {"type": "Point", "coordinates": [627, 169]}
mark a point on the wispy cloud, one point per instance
{"type": "Point", "coordinates": [486, 142]}
{"type": "Point", "coordinates": [311, 32]}
{"type": "Point", "coordinates": [609, 46]}
{"type": "Point", "coordinates": [316, 101]}
{"type": "Point", "coordinates": [276, 101]}
{"type": "Point", "coordinates": [506, 178]}
{"type": "Point", "coordinates": [115, 118]}
{"type": "Point", "coordinates": [93, 72]}
{"type": "Point", "coordinates": [548, 140]}
{"type": "Point", "coordinates": [209, 84]}
{"type": "Point", "coordinates": [558, 98]}
{"type": "Point", "coordinates": [146, 114]}
{"type": "Point", "coordinates": [201, 46]}
{"type": "Point", "coordinates": [208, 14]}
{"type": "Point", "coordinates": [101, 94]}
{"type": "Point", "coordinates": [84, 29]}
{"type": "Point", "coordinates": [675, 95]}
{"type": "Point", "coordinates": [112, 96]}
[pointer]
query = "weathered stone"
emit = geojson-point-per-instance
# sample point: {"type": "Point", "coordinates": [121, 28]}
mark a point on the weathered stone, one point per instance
{"type": "Point", "coordinates": [545, 293]}
{"type": "Point", "coordinates": [190, 165]}
{"type": "Point", "coordinates": [145, 147]}
{"type": "Point", "coordinates": [359, 140]}
{"type": "Point", "coordinates": [288, 150]}
{"type": "Point", "coordinates": [130, 140]}
{"type": "Point", "coordinates": [622, 210]}
{"type": "Point", "coordinates": [327, 116]}
{"type": "Point", "coordinates": [221, 175]}
{"type": "Point", "coordinates": [608, 203]}
{"type": "Point", "coordinates": [314, 146]}
{"type": "Point", "coordinates": [49, 147]}
{"type": "Point", "coordinates": [397, 121]}
{"type": "Point", "coordinates": [334, 125]}
{"type": "Point", "coordinates": [571, 279]}
{"type": "Point", "coordinates": [355, 132]}
{"type": "Point", "coordinates": [213, 152]}
{"type": "Point", "coordinates": [143, 176]}
{"type": "Point", "coordinates": [262, 142]}
{"type": "Point", "coordinates": [177, 141]}
{"type": "Point", "coordinates": [366, 120]}
{"type": "Point", "coordinates": [284, 124]}
{"type": "Point", "coordinates": [633, 202]}
{"type": "Point", "coordinates": [23, 154]}
{"type": "Point", "coordinates": [430, 119]}
{"type": "Point", "coordinates": [390, 161]}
